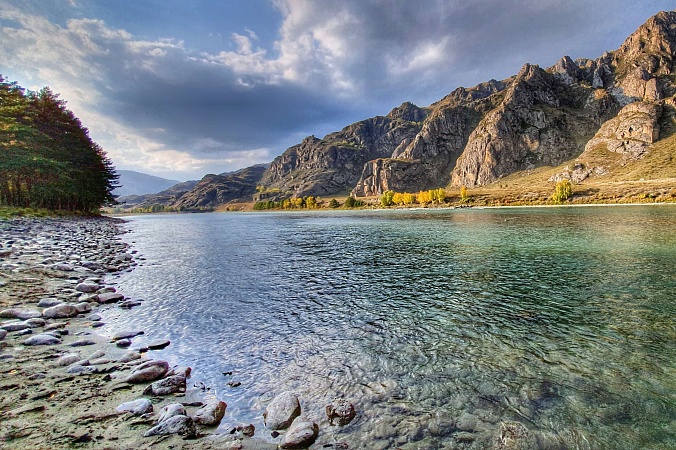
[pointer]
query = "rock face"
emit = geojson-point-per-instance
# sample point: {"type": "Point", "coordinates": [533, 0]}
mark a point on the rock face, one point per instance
{"type": "Point", "coordinates": [334, 164]}
{"type": "Point", "coordinates": [214, 190]}
{"type": "Point", "coordinates": [631, 131]}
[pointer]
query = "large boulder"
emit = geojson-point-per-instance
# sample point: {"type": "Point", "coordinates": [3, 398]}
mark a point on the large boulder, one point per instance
{"type": "Point", "coordinates": [148, 371]}
{"type": "Point", "coordinates": [136, 407]}
{"type": "Point", "coordinates": [301, 434]}
{"type": "Point", "coordinates": [182, 425]}
{"type": "Point", "coordinates": [20, 313]}
{"type": "Point", "coordinates": [42, 339]}
{"type": "Point", "coordinates": [210, 414]}
{"type": "Point", "coordinates": [166, 386]}
{"type": "Point", "coordinates": [281, 411]}
{"type": "Point", "coordinates": [171, 410]}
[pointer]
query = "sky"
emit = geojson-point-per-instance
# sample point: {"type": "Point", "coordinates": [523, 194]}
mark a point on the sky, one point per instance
{"type": "Point", "coordinates": [180, 89]}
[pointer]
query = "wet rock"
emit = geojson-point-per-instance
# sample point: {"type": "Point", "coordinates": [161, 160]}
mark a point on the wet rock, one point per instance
{"type": "Point", "coordinates": [109, 297]}
{"type": "Point", "coordinates": [302, 433]}
{"type": "Point", "coordinates": [247, 430]}
{"type": "Point", "coordinates": [49, 302]}
{"type": "Point", "coordinates": [35, 322]}
{"type": "Point", "coordinates": [126, 335]}
{"type": "Point", "coordinates": [166, 386]}
{"type": "Point", "coordinates": [181, 370]}
{"type": "Point", "coordinates": [182, 425]}
{"type": "Point", "coordinates": [340, 412]}
{"type": "Point", "coordinates": [136, 407]}
{"type": "Point", "coordinates": [467, 422]}
{"type": "Point", "coordinates": [87, 287]}
{"type": "Point", "coordinates": [281, 411]}
{"type": "Point", "coordinates": [14, 326]}
{"type": "Point", "coordinates": [513, 436]}
{"type": "Point", "coordinates": [128, 304]}
{"type": "Point", "coordinates": [62, 311]}
{"type": "Point", "coordinates": [20, 313]}
{"type": "Point", "coordinates": [24, 332]}
{"type": "Point", "coordinates": [55, 326]}
{"type": "Point", "coordinates": [171, 410]}
{"type": "Point", "coordinates": [210, 414]}
{"type": "Point", "coordinates": [123, 343]}
{"type": "Point", "coordinates": [130, 356]}
{"type": "Point", "coordinates": [68, 359]}
{"type": "Point", "coordinates": [3, 333]}
{"type": "Point", "coordinates": [159, 345]}
{"type": "Point", "coordinates": [82, 343]}
{"type": "Point", "coordinates": [442, 424]}
{"type": "Point", "coordinates": [42, 339]}
{"type": "Point", "coordinates": [83, 307]}
{"type": "Point", "coordinates": [148, 371]}
{"type": "Point", "coordinates": [94, 317]}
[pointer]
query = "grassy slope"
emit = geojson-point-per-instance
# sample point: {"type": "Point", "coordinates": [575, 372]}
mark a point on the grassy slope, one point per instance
{"type": "Point", "coordinates": [651, 178]}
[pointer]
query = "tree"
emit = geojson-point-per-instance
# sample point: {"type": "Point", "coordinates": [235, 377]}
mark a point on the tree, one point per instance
{"type": "Point", "coordinates": [563, 191]}
{"type": "Point", "coordinates": [386, 198]}
{"type": "Point", "coordinates": [463, 194]}
{"type": "Point", "coordinates": [439, 195]}
{"type": "Point", "coordinates": [398, 198]}
{"type": "Point", "coordinates": [333, 203]}
{"type": "Point", "coordinates": [47, 159]}
{"type": "Point", "coordinates": [408, 198]}
{"type": "Point", "coordinates": [424, 197]}
{"type": "Point", "coordinates": [310, 202]}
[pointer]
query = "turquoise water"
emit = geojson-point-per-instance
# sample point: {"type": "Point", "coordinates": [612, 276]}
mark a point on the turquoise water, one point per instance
{"type": "Point", "coordinates": [440, 326]}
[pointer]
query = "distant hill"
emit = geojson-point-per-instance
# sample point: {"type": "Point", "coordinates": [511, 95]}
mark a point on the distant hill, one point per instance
{"type": "Point", "coordinates": [137, 183]}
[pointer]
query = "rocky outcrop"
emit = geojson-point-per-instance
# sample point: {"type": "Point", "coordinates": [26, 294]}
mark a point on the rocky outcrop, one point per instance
{"type": "Point", "coordinates": [541, 121]}
{"type": "Point", "coordinates": [165, 198]}
{"type": "Point", "coordinates": [334, 164]}
{"type": "Point", "coordinates": [631, 131]}
{"type": "Point", "coordinates": [215, 190]}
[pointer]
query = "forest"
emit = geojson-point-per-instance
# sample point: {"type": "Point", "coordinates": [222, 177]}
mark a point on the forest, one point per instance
{"type": "Point", "coordinates": [47, 159]}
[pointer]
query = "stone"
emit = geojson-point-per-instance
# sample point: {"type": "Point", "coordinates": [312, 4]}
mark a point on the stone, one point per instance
{"type": "Point", "coordinates": [171, 410]}
{"type": "Point", "coordinates": [148, 371]}
{"type": "Point", "coordinates": [42, 339]}
{"type": "Point", "coordinates": [130, 356]}
{"type": "Point", "coordinates": [35, 322]}
{"type": "Point", "coordinates": [83, 307]}
{"type": "Point", "coordinates": [136, 407]}
{"type": "Point", "coordinates": [55, 326]}
{"type": "Point", "coordinates": [63, 267]}
{"type": "Point", "coordinates": [68, 359]}
{"type": "Point", "coordinates": [3, 333]}
{"type": "Point", "coordinates": [97, 354]}
{"type": "Point", "coordinates": [62, 311]}
{"type": "Point", "coordinates": [123, 343]}
{"type": "Point", "coordinates": [210, 414]}
{"type": "Point", "coordinates": [166, 386]}
{"type": "Point", "coordinates": [126, 335]}
{"type": "Point", "coordinates": [340, 412]}
{"type": "Point", "coordinates": [302, 433]}
{"type": "Point", "coordinates": [513, 436]}
{"type": "Point", "coordinates": [49, 302]}
{"type": "Point", "coordinates": [14, 326]}
{"type": "Point", "coordinates": [182, 425]}
{"type": "Point", "coordinates": [87, 287]}
{"type": "Point", "coordinates": [82, 343]}
{"type": "Point", "coordinates": [94, 317]}
{"type": "Point", "coordinates": [281, 411]}
{"type": "Point", "coordinates": [109, 297]}
{"type": "Point", "coordinates": [20, 313]}
{"type": "Point", "coordinates": [159, 345]}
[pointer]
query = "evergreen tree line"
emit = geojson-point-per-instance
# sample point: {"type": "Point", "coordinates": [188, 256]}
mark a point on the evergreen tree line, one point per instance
{"type": "Point", "coordinates": [47, 159]}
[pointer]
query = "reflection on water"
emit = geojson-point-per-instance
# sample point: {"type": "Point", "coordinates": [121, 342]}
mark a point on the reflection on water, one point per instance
{"type": "Point", "coordinates": [441, 326]}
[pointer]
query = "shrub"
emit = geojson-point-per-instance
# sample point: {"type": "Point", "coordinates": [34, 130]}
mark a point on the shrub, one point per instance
{"type": "Point", "coordinates": [563, 191]}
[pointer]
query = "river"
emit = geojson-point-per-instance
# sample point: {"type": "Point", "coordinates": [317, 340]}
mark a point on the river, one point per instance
{"type": "Point", "coordinates": [445, 328]}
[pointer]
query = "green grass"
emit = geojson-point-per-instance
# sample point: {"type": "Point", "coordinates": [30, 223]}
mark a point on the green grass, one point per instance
{"type": "Point", "coordinates": [8, 212]}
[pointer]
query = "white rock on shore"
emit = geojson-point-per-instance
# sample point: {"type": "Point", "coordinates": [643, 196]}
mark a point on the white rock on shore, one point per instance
{"type": "Point", "coordinates": [281, 411]}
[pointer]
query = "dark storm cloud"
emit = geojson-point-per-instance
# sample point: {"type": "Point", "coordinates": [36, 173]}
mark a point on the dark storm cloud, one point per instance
{"type": "Point", "coordinates": [333, 63]}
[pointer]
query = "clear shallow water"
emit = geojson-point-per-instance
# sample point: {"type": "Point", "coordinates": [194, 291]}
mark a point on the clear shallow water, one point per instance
{"type": "Point", "coordinates": [438, 325]}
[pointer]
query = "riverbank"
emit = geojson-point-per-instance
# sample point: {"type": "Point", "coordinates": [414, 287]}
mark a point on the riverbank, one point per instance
{"type": "Point", "coordinates": [62, 380]}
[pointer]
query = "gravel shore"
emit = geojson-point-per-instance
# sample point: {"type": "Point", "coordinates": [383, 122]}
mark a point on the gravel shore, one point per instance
{"type": "Point", "coordinates": [63, 384]}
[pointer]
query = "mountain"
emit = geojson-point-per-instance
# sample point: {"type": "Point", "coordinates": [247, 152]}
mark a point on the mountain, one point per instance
{"type": "Point", "coordinates": [214, 190]}
{"type": "Point", "coordinates": [582, 119]}
{"type": "Point", "coordinates": [137, 183]}
{"type": "Point", "coordinates": [165, 197]}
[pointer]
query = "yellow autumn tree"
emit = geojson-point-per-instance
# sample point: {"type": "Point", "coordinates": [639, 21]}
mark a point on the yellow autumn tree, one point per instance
{"type": "Point", "coordinates": [424, 197]}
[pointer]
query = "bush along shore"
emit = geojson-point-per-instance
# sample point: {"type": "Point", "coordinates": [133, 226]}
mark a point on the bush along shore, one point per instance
{"type": "Point", "coordinates": [65, 384]}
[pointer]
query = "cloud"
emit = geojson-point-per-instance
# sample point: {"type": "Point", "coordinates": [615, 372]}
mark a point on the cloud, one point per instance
{"type": "Point", "coordinates": [156, 105]}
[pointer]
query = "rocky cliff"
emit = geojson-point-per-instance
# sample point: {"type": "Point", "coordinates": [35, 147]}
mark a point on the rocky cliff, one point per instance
{"type": "Point", "coordinates": [334, 164]}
